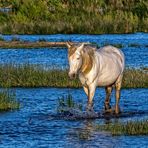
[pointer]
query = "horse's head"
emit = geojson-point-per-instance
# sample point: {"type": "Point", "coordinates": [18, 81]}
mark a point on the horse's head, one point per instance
{"type": "Point", "coordinates": [75, 59]}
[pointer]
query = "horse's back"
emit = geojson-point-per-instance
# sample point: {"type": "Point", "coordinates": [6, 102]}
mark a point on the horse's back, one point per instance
{"type": "Point", "coordinates": [112, 51]}
{"type": "Point", "coordinates": [111, 65]}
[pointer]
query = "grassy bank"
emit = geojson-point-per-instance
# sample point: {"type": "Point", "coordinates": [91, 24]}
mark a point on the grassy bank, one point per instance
{"type": "Point", "coordinates": [42, 44]}
{"type": "Point", "coordinates": [16, 42]}
{"type": "Point", "coordinates": [20, 44]}
{"type": "Point", "coordinates": [128, 128]}
{"type": "Point", "coordinates": [73, 16]}
{"type": "Point", "coordinates": [8, 101]}
{"type": "Point", "coordinates": [36, 76]}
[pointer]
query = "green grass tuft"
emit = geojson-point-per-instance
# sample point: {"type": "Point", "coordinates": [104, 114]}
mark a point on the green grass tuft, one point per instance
{"type": "Point", "coordinates": [128, 128]}
{"type": "Point", "coordinates": [8, 101]}
{"type": "Point", "coordinates": [67, 102]}
{"type": "Point", "coordinates": [135, 78]}
{"type": "Point", "coordinates": [1, 38]}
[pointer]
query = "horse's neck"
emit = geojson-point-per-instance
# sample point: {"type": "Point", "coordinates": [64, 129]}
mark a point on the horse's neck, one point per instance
{"type": "Point", "coordinates": [87, 63]}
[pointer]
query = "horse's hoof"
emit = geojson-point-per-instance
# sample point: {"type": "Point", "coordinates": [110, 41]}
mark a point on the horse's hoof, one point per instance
{"type": "Point", "coordinates": [109, 110]}
{"type": "Point", "coordinates": [107, 107]}
{"type": "Point", "coordinates": [117, 110]}
{"type": "Point", "coordinates": [89, 108]}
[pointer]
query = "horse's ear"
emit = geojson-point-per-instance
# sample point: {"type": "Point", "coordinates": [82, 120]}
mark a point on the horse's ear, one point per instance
{"type": "Point", "coordinates": [80, 48]}
{"type": "Point", "coordinates": [69, 44]}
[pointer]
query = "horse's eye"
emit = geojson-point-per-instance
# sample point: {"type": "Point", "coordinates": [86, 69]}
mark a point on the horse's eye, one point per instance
{"type": "Point", "coordinates": [78, 58]}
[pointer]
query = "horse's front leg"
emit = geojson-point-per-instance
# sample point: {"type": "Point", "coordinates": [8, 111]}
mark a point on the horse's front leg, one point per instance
{"type": "Point", "coordinates": [91, 92]}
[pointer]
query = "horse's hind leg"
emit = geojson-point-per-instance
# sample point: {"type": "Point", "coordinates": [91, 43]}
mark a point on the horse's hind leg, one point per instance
{"type": "Point", "coordinates": [108, 90]}
{"type": "Point", "coordinates": [118, 88]}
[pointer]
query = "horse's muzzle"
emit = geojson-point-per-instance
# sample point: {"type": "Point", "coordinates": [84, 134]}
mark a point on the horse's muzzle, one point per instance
{"type": "Point", "coordinates": [72, 76]}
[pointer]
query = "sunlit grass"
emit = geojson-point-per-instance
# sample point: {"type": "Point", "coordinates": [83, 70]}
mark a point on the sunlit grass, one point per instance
{"type": "Point", "coordinates": [8, 101]}
{"type": "Point", "coordinates": [36, 76]}
{"type": "Point", "coordinates": [128, 128]}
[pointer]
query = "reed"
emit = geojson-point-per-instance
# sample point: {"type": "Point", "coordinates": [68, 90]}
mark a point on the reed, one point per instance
{"type": "Point", "coordinates": [128, 128]}
{"type": "Point", "coordinates": [8, 100]}
{"type": "Point", "coordinates": [135, 78]}
{"type": "Point", "coordinates": [66, 103]}
{"type": "Point", "coordinates": [36, 76]}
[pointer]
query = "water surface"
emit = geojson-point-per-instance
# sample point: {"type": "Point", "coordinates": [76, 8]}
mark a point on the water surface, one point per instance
{"type": "Point", "coordinates": [32, 125]}
{"type": "Point", "coordinates": [135, 56]}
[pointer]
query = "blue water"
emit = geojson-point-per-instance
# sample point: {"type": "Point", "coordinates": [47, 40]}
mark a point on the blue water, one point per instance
{"type": "Point", "coordinates": [57, 57]}
{"type": "Point", "coordinates": [32, 126]}
{"type": "Point", "coordinates": [125, 39]}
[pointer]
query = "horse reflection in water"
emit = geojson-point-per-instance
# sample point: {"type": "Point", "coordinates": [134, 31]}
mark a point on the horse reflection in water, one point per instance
{"type": "Point", "coordinates": [97, 67]}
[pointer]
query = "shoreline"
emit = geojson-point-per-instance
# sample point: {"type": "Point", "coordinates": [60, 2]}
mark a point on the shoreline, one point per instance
{"type": "Point", "coordinates": [45, 44]}
{"type": "Point", "coordinates": [24, 44]}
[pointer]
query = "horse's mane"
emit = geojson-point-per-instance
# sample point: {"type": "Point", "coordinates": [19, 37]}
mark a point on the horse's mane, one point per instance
{"type": "Point", "coordinates": [89, 49]}
{"type": "Point", "coordinates": [87, 56]}
{"type": "Point", "coordinates": [87, 59]}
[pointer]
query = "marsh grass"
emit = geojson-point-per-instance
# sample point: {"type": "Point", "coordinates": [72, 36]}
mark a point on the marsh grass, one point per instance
{"type": "Point", "coordinates": [67, 102]}
{"type": "Point", "coordinates": [36, 76]}
{"type": "Point", "coordinates": [128, 128]}
{"type": "Point", "coordinates": [8, 100]}
{"type": "Point", "coordinates": [135, 78]}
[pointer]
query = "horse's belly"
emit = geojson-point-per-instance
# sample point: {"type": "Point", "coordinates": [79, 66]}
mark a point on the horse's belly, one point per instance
{"type": "Point", "coordinates": [107, 78]}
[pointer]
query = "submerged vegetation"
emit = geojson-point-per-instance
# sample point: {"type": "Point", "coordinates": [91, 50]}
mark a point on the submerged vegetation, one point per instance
{"type": "Point", "coordinates": [67, 102]}
{"type": "Point", "coordinates": [73, 16]}
{"type": "Point", "coordinates": [128, 128]}
{"type": "Point", "coordinates": [37, 76]}
{"type": "Point", "coordinates": [8, 100]}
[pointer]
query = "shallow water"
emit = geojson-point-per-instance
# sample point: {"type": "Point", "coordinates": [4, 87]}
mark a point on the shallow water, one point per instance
{"type": "Point", "coordinates": [125, 39]}
{"type": "Point", "coordinates": [35, 124]}
{"type": "Point", "coordinates": [135, 56]}
{"type": "Point", "coordinates": [32, 125]}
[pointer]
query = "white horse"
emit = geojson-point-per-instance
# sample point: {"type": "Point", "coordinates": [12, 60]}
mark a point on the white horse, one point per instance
{"type": "Point", "coordinates": [97, 67]}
